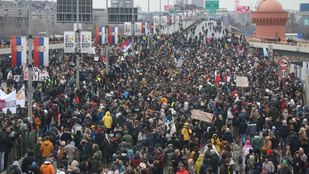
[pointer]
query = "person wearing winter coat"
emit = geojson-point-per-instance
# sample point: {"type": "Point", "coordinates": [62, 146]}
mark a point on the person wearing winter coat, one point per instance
{"type": "Point", "coordinates": [256, 168]}
{"type": "Point", "coordinates": [297, 163]}
{"type": "Point", "coordinates": [303, 137]}
{"type": "Point", "coordinates": [206, 164]}
{"type": "Point", "coordinates": [149, 141]}
{"type": "Point", "coordinates": [176, 158]}
{"type": "Point", "coordinates": [216, 142]}
{"type": "Point", "coordinates": [228, 135]}
{"type": "Point", "coordinates": [60, 169]}
{"type": "Point", "coordinates": [294, 143]}
{"type": "Point", "coordinates": [182, 170]}
{"type": "Point", "coordinates": [107, 147]}
{"type": "Point", "coordinates": [284, 168]}
{"type": "Point", "coordinates": [288, 159]}
{"type": "Point", "coordinates": [256, 144]}
{"type": "Point", "coordinates": [283, 133]}
{"type": "Point", "coordinates": [34, 169]}
{"type": "Point", "coordinates": [185, 133]}
{"type": "Point", "coordinates": [214, 161]}
{"type": "Point", "coordinates": [199, 163]}
{"type": "Point", "coordinates": [127, 137]}
{"type": "Point", "coordinates": [14, 167]}
{"type": "Point", "coordinates": [246, 149]}
{"type": "Point", "coordinates": [168, 155]}
{"type": "Point", "coordinates": [243, 128]}
{"type": "Point", "coordinates": [47, 167]}
{"type": "Point", "coordinates": [47, 147]}
{"type": "Point", "coordinates": [225, 167]}
{"type": "Point", "coordinates": [235, 157]}
{"type": "Point", "coordinates": [267, 165]}
{"type": "Point", "coordinates": [159, 157]}
{"type": "Point", "coordinates": [267, 145]}
{"type": "Point", "coordinates": [108, 121]}
{"type": "Point", "coordinates": [27, 161]}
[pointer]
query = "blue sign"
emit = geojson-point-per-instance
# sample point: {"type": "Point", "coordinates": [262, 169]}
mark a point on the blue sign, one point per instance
{"type": "Point", "coordinates": [246, 32]}
{"type": "Point", "coordinates": [254, 29]}
{"type": "Point", "coordinates": [227, 23]}
{"type": "Point", "coordinates": [300, 35]}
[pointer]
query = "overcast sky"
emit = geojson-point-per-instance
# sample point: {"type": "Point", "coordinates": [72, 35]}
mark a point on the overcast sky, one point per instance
{"type": "Point", "coordinates": [229, 4]}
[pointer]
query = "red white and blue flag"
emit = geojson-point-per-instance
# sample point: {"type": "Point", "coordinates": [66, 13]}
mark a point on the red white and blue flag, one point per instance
{"type": "Point", "coordinates": [113, 35]}
{"type": "Point", "coordinates": [40, 51]}
{"type": "Point", "coordinates": [151, 27]}
{"type": "Point", "coordinates": [19, 52]}
{"type": "Point", "coordinates": [126, 46]}
{"type": "Point", "coordinates": [144, 27]}
{"type": "Point", "coordinates": [170, 19]}
{"type": "Point", "coordinates": [180, 18]}
{"type": "Point", "coordinates": [100, 35]}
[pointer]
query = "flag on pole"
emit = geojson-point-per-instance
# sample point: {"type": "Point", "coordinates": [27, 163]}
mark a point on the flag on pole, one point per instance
{"type": "Point", "coordinates": [151, 27]}
{"type": "Point", "coordinates": [113, 35]}
{"type": "Point", "coordinates": [19, 52]}
{"type": "Point", "coordinates": [126, 46]}
{"type": "Point", "coordinates": [100, 35]}
{"type": "Point", "coordinates": [265, 52]}
{"type": "Point", "coordinates": [217, 78]}
{"type": "Point", "coordinates": [180, 18]}
{"type": "Point", "coordinates": [144, 25]}
{"type": "Point", "coordinates": [41, 51]}
{"type": "Point", "coordinates": [170, 19]}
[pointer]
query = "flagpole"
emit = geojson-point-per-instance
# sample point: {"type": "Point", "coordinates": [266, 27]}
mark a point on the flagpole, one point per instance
{"type": "Point", "coordinates": [148, 26]}
{"type": "Point", "coordinates": [107, 35]}
{"type": "Point", "coordinates": [30, 90]}
{"type": "Point", "coordinates": [133, 26]}
{"type": "Point", "coordinates": [77, 42]}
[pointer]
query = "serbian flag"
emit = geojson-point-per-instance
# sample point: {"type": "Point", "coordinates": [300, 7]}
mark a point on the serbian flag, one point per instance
{"type": "Point", "coordinates": [41, 51]}
{"type": "Point", "coordinates": [126, 46]}
{"type": "Point", "coordinates": [170, 20]}
{"type": "Point", "coordinates": [100, 35]}
{"type": "Point", "coordinates": [180, 18]}
{"type": "Point", "coordinates": [144, 24]}
{"type": "Point", "coordinates": [238, 48]}
{"type": "Point", "coordinates": [151, 27]}
{"type": "Point", "coordinates": [233, 46]}
{"type": "Point", "coordinates": [113, 35]}
{"type": "Point", "coordinates": [19, 52]}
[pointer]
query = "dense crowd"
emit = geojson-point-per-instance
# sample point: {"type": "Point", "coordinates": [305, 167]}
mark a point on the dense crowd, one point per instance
{"type": "Point", "coordinates": [137, 118]}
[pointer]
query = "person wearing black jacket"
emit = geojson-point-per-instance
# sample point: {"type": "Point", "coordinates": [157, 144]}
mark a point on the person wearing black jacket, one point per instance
{"type": "Point", "coordinates": [283, 132]}
{"type": "Point", "coordinates": [176, 158]}
{"type": "Point", "coordinates": [214, 161]}
{"type": "Point", "coordinates": [27, 161]}
{"type": "Point", "coordinates": [8, 145]}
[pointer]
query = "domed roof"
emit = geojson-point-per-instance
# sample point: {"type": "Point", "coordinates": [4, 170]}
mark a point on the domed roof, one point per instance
{"type": "Point", "coordinates": [270, 6]}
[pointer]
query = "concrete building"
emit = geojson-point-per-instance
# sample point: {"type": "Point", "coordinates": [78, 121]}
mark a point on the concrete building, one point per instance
{"type": "Point", "coordinates": [122, 3]}
{"type": "Point", "coordinates": [270, 19]}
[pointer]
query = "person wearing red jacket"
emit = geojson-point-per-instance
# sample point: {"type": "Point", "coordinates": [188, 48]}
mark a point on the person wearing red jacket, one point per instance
{"type": "Point", "coordinates": [160, 157]}
{"type": "Point", "coordinates": [182, 170]}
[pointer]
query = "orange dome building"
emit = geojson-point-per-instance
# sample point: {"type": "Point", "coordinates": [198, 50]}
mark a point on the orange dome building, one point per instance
{"type": "Point", "coordinates": [270, 19]}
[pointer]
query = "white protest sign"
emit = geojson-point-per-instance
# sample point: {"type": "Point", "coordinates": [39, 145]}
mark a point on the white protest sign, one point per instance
{"type": "Point", "coordinates": [242, 81]}
{"type": "Point", "coordinates": [202, 116]}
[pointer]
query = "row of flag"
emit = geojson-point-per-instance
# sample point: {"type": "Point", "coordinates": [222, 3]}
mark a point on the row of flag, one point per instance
{"type": "Point", "coordinates": [101, 35]}
{"type": "Point", "coordinates": [19, 51]}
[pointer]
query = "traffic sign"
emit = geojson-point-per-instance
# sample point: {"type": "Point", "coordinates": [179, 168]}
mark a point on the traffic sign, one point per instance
{"type": "Point", "coordinates": [299, 35]}
{"type": "Point", "coordinates": [283, 62]}
{"type": "Point", "coordinates": [254, 29]}
{"type": "Point", "coordinates": [212, 5]}
{"type": "Point", "coordinates": [283, 73]}
{"type": "Point", "coordinates": [246, 32]}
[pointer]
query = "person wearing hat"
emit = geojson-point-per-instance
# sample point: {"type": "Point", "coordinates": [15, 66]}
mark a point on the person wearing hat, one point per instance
{"type": "Point", "coordinates": [267, 145]}
{"type": "Point", "coordinates": [168, 155]}
{"type": "Point", "coordinates": [182, 169]}
{"type": "Point", "coordinates": [284, 168]}
{"type": "Point", "coordinates": [47, 167]}
{"type": "Point", "coordinates": [37, 151]}
{"type": "Point", "coordinates": [47, 147]}
{"type": "Point", "coordinates": [160, 158]}
{"type": "Point", "coordinates": [185, 133]}
{"type": "Point", "coordinates": [298, 163]}
{"type": "Point", "coordinates": [108, 121]}
{"type": "Point", "coordinates": [267, 165]}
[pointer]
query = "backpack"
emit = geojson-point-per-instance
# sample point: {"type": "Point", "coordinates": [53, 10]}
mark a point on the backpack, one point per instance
{"type": "Point", "coordinates": [240, 160]}
{"type": "Point", "coordinates": [196, 156]}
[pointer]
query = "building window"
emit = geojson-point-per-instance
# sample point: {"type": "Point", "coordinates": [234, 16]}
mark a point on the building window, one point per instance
{"type": "Point", "coordinates": [306, 22]}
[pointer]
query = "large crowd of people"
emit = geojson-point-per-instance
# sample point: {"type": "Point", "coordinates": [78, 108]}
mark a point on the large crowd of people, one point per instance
{"type": "Point", "coordinates": [138, 118]}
